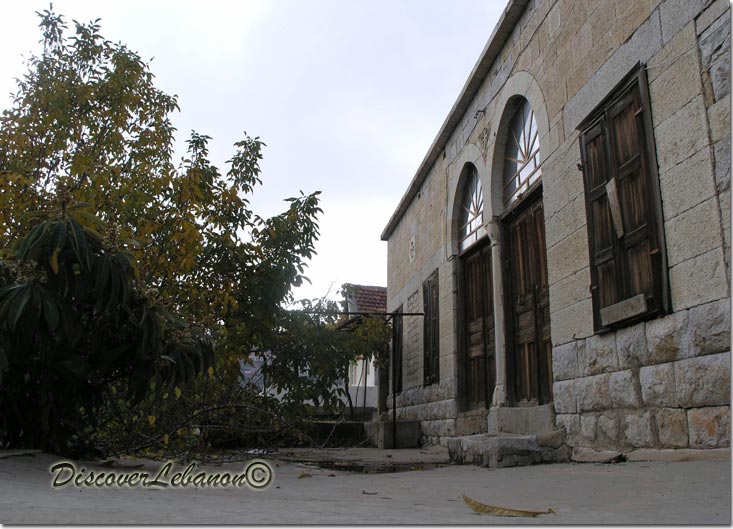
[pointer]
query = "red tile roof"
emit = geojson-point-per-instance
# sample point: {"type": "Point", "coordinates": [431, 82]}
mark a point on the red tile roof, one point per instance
{"type": "Point", "coordinates": [368, 298]}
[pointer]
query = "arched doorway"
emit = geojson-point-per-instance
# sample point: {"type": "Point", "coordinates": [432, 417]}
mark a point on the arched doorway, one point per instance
{"type": "Point", "coordinates": [527, 305]}
{"type": "Point", "coordinates": [478, 349]}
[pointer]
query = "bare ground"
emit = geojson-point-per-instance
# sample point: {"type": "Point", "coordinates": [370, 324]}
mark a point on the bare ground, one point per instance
{"type": "Point", "coordinates": [690, 492]}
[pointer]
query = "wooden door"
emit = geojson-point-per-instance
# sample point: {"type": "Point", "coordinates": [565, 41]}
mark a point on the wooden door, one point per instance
{"type": "Point", "coordinates": [529, 345]}
{"type": "Point", "coordinates": [478, 310]}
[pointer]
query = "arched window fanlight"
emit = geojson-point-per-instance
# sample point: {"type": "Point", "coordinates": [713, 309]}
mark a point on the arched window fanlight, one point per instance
{"type": "Point", "coordinates": [522, 161]}
{"type": "Point", "coordinates": [472, 211]}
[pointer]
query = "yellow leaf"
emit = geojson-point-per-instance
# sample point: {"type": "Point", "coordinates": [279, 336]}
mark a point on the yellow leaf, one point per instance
{"type": "Point", "coordinates": [211, 371]}
{"type": "Point", "coordinates": [55, 260]}
{"type": "Point", "coordinates": [482, 508]}
{"type": "Point", "coordinates": [151, 420]}
{"type": "Point", "coordinates": [165, 439]}
{"type": "Point", "coordinates": [178, 392]}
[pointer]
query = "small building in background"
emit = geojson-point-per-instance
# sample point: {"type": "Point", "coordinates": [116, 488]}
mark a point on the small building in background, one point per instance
{"type": "Point", "coordinates": [363, 375]}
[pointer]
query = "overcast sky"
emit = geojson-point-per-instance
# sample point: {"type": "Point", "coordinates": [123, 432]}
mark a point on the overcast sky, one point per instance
{"type": "Point", "coordinates": [348, 95]}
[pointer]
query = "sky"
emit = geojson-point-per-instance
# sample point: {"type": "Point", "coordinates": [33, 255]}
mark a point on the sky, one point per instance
{"type": "Point", "coordinates": [348, 96]}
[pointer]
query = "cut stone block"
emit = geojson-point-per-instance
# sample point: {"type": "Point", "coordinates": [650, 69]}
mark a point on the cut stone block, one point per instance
{"type": "Point", "coordinates": [703, 381]}
{"type": "Point", "coordinates": [709, 427]}
{"type": "Point", "coordinates": [564, 396]}
{"type": "Point", "coordinates": [565, 361]}
{"type": "Point", "coordinates": [624, 390]}
{"type": "Point", "coordinates": [599, 355]}
{"type": "Point", "coordinates": [529, 420]}
{"type": "Point", "coordinates": [592, 393]}
{"type": "Point", "coordinates": [667, 339]}
{"type": "Point", "coordinates": [630, 345]}
{"type": "Point", "coordinates": [710, 328]}
{"type": "Point", "coordinates": [658, 385]}
{"type": "Point", "coordinates": [638, 430]}
{"type": "Point", "coordinates": [672, 427]}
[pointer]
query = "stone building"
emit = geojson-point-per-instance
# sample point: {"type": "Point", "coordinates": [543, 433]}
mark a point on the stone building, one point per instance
{"type": "Point", "coordinates": [363, 374]}
{"type": "Point", "coordinates": [567, 234]}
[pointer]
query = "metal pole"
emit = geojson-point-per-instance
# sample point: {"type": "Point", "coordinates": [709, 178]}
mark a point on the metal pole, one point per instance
{"type": "Point", "coordinates": [395, 329]}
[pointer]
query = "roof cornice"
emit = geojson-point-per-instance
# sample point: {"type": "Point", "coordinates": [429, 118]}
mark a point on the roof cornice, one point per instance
{"type": "Point", "coordinates": [498, 38]}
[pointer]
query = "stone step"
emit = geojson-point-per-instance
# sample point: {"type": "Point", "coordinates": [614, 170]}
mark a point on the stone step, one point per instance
{"type": "Point", "coordinates": [508, 450]}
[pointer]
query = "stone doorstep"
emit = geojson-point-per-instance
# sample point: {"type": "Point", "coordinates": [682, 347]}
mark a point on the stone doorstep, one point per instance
{"type": "Point", "coordinates": [505, 450]}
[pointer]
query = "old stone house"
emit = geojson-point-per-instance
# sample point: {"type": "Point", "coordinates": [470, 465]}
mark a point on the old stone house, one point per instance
{"type": "Point", "coordinates": [567, 234]}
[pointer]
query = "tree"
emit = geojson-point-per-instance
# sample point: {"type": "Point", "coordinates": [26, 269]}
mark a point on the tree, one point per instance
{"type": "Point", "coordinates": [74, 326]}
{"type": "Point", "coordinates": [310, 351]}
{"type": "Point", "coordinates": [87, 145]}
{"type": "Point", "coordinates": [307, 353]}
{"type": "Point", "coordinates": [88, 118]}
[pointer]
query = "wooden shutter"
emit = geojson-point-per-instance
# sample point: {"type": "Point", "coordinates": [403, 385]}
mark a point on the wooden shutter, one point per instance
{"type": "Point", "coordinates": [630, 166]}
{"type": "Point", "coordinates": [602, 240]}
{"type": "Point", "coordinates": [430, 336]}
{"type": "Point", "coordinates": [623, 205]}
{"type": "Point", "coordinates": [397, 330]}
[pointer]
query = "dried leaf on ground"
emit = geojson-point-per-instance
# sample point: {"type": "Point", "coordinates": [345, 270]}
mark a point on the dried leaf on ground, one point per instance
{"type": "Point", "coordinates": [304, 475]}
{"type": "Point", "coordinates": [482, 508]}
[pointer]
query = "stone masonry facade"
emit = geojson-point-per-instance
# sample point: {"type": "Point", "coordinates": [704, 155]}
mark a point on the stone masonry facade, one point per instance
{"type": "Point", "coordinates": [666, 383]}
{"type": "Point", "coordinates": [661, 383]}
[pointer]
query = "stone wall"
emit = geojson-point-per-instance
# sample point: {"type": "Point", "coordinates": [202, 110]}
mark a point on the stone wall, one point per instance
{"type": "Point", "coordinates": [663, 383]}
{"type": "Point", "coordinates": [422, 229]}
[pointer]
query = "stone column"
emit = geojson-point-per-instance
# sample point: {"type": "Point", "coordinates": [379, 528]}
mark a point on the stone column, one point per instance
{"type": "Point", "coordinates": [493, 227]}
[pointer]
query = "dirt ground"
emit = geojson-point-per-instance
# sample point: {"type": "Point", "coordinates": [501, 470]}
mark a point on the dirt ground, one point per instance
{"type": "Point", "coordinates": [427, 490]}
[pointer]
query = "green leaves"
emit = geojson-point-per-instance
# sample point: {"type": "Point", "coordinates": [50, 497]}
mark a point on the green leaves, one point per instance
{"type": "Point", "coordinates": [308, 356]}
{"type": "Point", "coordinates": [31, 246]}
{"type": "Point", "coordinates": [13, 301]}
{"type": "Point", "coordinates": [73, 323]}
{"type": "Point", "coordinates": [51, 311]}
{"type": "Point", "coordinates": [58, 239]}
{"type": "Point", "coordinates": [82, 250]}
{"type": "Point", "coordinates": [88, 117]}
